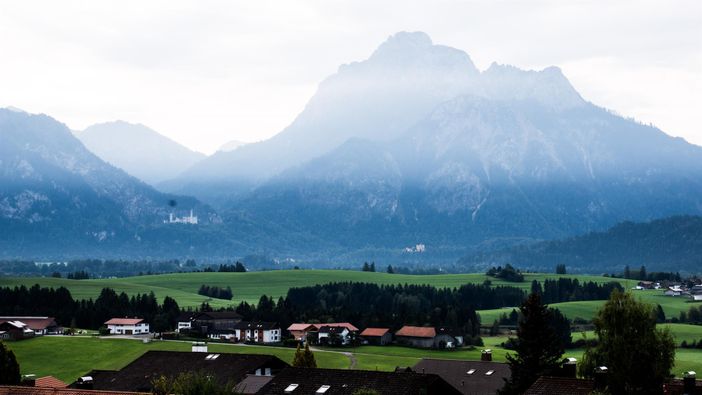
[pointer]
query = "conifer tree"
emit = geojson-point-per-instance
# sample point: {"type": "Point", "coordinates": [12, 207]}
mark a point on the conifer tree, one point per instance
{"type": "Point", "coordinates": [538, 346]}
{"type": "Point", "coordinates": [9, 368]}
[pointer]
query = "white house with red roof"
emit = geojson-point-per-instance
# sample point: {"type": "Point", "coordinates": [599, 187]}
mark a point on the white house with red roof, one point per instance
{"type": "Point", "coordinates": [127, 326]}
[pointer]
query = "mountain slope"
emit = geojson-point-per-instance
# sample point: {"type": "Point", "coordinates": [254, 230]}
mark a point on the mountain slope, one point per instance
{"type": "Point", "coordinates": [138, 150]}
{"type": "Point", "coordinates": [669, 244]}
{"type": "Point", "coordinates": [57, 196]}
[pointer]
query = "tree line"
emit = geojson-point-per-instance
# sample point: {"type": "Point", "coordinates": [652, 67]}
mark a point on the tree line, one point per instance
{"type": "Point", "coordinates": [88, 314]}
{"type": "Point", "coordinates": [571, 290]}
{"type": "Point", "coordinates": [216, 292]}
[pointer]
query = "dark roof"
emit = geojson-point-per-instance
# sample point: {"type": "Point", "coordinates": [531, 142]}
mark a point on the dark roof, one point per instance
{"type": "Point", "coordinates": [346, 382]}
{"type": "Point", "coordinates": [443, 330]}
{"type": "Point", "coordinates": [546, 385]}
{"type": "Point", "coordinates": [456, 373]}
{"type": "Point", "coordinates": [332, 329]}
{"type": "Point", "coordinates": [217, 315]}
{"type": "Point", "coordinates": [676, 387]}
{"type": "Point", "coordinates": [185, 316]}
{"type": "Point", "coordinates": [226, 368]}
{"type": "Point", "coordinates": [251, 384]}
{"type": "Point", "coordinates": [257, 325]}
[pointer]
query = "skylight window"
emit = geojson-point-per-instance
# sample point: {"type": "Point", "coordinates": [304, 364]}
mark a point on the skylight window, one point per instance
{"type": "Point", "coordinates": [471, 371]}
{"type": "Point", "coordinates": [291, 388]}
{"type": "Point", "coordinates": [489, 372]}
{"type": "Point", "coordinates": [322, 389]}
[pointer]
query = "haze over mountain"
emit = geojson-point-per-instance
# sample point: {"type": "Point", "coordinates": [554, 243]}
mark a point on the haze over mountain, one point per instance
{"type": "Point", "coordinates": [139, 150]}
{"type": "Point", "coordinates": [57, 196]}
{"type": "Point", "coordinates": [415, 146]}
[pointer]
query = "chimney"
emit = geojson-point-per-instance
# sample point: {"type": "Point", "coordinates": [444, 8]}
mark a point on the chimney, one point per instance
{"type": "Point", "coordinates": [486, 355]}
{"type": "Point", "coordinates": [569, 367]}
{"type": "Point", "coordinates": [601, 377]}
{"type": "Point", "coordinates": [689, 383]}
{"type": "Point", "coordinates": [199, 347]}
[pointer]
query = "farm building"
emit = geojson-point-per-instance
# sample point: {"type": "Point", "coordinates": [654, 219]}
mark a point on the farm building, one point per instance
{"type": "Point", "coordinates": [184, 321]}
{"type": "Point", "coordinates": [40, 325]}
{"type": "Point", "coordinates": [15, 330]}
{"type": "Point", "coordinates": [215, 322]}
{"type": "Point", "coordinates": [416, 336]}
{"type": "Point", "coordinates": [300, 331]}
{"type": "Point", "coordinates": [127, 326]}
{"type": "Point", "coordinates": [334, 335]}
{"type": "Point", "coordinates": [377, 336]}
{"type": "Point", "coordinates": [258, 332]}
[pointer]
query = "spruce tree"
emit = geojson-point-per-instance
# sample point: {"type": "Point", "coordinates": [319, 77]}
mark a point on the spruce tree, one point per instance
{"type": "Point", "coordinates": [538, 346]}
{"type": "Point", "coordinates": [9, 368]}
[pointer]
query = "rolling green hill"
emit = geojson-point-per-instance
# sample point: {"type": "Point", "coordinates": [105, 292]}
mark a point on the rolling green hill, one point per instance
{"type": "Point", "coordinates": [251, 285]}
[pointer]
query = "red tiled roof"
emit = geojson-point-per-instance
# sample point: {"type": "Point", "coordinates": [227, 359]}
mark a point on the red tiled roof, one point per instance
{"type": "Point", "coordinates": [16, 390]}
{"type": "Point", "coordinates": [416, 331]}
{"type": "Point", "coordinates": [300, 327]}
{"type": "Point", "coordinates": [375, 331]}
{"type": "Point", "coordinates": [124, 321]}
{"type": "Point", "coordinates": [49, 381]}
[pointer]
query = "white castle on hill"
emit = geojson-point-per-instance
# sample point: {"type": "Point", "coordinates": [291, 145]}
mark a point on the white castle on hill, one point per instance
{"type": "Point", "coordinates": [172, 219]}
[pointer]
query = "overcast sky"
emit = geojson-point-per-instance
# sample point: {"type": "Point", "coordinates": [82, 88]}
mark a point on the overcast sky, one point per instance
{"type": "Point", "coordinates": [206, 72]}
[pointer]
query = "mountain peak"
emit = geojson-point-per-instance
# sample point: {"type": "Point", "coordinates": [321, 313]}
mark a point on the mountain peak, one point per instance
{"type": "Point", "coordinates": [407, 40]}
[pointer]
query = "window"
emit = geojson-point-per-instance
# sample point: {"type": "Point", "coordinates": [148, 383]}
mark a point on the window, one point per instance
{"type": "Point", "coordinates": [489, 372]}
{"type": "Point", "coordinates": [290, 388]}
{"type": "Point", "coordinates": [322, 389]}
{"type": "Point", "coordinates": [471, 371]}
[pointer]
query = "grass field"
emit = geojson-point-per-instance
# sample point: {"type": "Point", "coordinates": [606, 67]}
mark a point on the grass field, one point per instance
{"type": "Point", "coordinates": [250, 286]}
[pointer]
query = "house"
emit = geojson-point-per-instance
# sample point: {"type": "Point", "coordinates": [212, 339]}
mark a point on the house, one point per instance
{"type": "Point", "coordinates": [300, 331]}
{"type": "Point", "coordinates": [127, 326]}
{"type": "Point", "coordinates": [334, 335]}
{"type": "Point", "coordinates": [303, 381]}
{"type": "Point", "coordinates": [40, 325]}
{"type": "Point", "coordinates": [258, 332]}
{"type": "Point", "coordinates": [214, 321]}
{"type": "Point", "coordinates": [249, 372]}
{"type": "Point", "coordinates": [673, 290]}
{"type": "Point", "coordinates": [447, 337]}
{"type": "Point", "coordinates": [15, 330]}
{"type": "Point", "coordinates": [468, 377]}
{"type": "Point", "coordinates": [377, 336]}
{"type": "Point", "coordinates": [416, 336]}
{"type": "Point", "coordinates": [184, 321]}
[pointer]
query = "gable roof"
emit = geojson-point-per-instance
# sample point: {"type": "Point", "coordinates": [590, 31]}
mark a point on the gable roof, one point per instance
{"type": "Point", "coordinates": [34, 323]}
{"type": "Point", "coordinates": [346, 382]}
{"type": "Point", "coordinates": [445, 330]}
{"type": "Point", "coordinates": [50, 382]}
{"type": "Point", "coordinates": [138, 375]}
{"type": "Point", "coordinates": [124, 321]}
{"type": "Point", "coordinates": [416, 331]}
{"type": "Point", "coordinates": [468, 377]}
{"type": "Point", "coordinates": [13, 324]}
{"type": "Point", "coordinates": [546, 385]}
{"type": "Point", "coordinates": [346, 325]}
{"type": "Point", "coordinates": [371, 332]}
{"type": "Point", "coordinates": [301, 327]}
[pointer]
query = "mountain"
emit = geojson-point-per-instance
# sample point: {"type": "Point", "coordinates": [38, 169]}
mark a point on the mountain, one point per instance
{"type": "Point", "coordinates": [231, 145]}
{"type": "Point", "coordinates": [58, 199]}
{"type": "Point", "coordinates": [668, 244]}
{"type": "Point", "coordinates": [377, 99]}
{"type": "Point", "coordinates": [138, 150]}
{"type": "Point", "coordinates": [461, 160]}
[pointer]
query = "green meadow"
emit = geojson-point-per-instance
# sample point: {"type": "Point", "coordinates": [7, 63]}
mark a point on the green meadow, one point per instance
{"type": "Point", "coordinates": [251, 285]}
